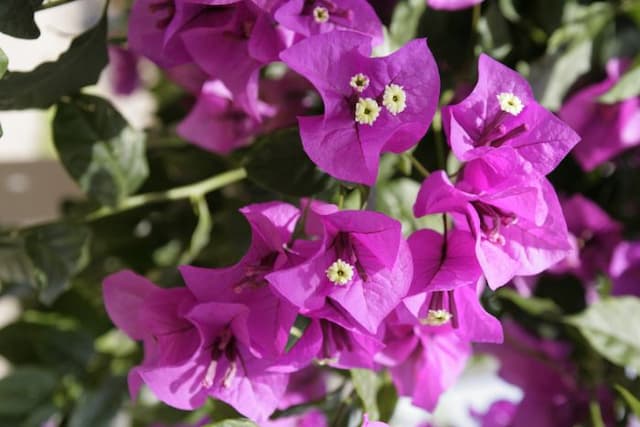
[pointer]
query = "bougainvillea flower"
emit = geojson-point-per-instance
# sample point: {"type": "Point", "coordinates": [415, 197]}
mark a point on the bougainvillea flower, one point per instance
{"type": "Point", "coordinates": [311, 418]}
{"type": "Point", "coordinates": [242, 39]}
{"type": "Point", "coordinates": [514, 216]}
{"type": "Point", "coordinates": [363, 267]}
{"type": "Point", "coordinates": [154, 30]}
{"type": "Point", "coordinates": [443, 292]}
{"type": "Point", "coordinates": [625, 269]}
{"type": "Point", "coordinates": [371, 105]}
{"type": "Point", "coordinates": [123, 70]}
{"type": "Point", "coordinates": [289, 96]}
{"type": "Point", "coordinates": [452, 4]}
{"type": "Point", "coordinates": [502, 111]}
{"type": "Point", "coordinates": [606, 129]}
{"type": "Point", "coordinates": [194, 350]}
{"type": "Point", "coordinates": [309, 18]}
{"type": "Point", "coordinates": [544, 371]}
{"type": "Point", "coordinates": [595, 236]}
{"type": "Point", "coordinates": [271, 316]}
{"type": "Point", "coordinates": [423, 365]}
{"type": "Point", "coordinates": [217, 124]}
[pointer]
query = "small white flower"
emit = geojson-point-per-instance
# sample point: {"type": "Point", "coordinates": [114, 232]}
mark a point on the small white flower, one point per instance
{"type": "Point", "coordinates": [367, 111]}
{"type": "Point", "coordinates": [394, 98]}
{"type": "Point", "coordinates": [510, 103]}
{"type": "Point", "coordinates": [359, 82]}
{"type": "Point", "coordinates": [321, 14]}
{"type": "Point", "coordinates": [340, 273]}
{"type": "Point", "coordinates": [436, 318]}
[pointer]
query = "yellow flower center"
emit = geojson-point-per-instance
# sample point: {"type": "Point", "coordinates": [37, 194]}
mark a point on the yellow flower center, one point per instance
{"type": "Point", "coordinates": [340, 273]}
{"type": "Point", "coordinates": [436, 318]}
{"type": "Point", "coordinates": [510, 103]}
{"type": "Point", "coordinates": [321, 14]}
{"type": "Point", "coordinates": [359, 82]}
{"type": "Point", "coordinates": [367, 111]}
{"type": "Point", "coordinates": [394, 99]}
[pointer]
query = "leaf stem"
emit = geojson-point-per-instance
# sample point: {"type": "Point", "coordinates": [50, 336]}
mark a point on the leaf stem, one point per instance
{"type": "Point", "coordinates": [416, 164]}
{"type": "Point", "coordinates": [197, 189]}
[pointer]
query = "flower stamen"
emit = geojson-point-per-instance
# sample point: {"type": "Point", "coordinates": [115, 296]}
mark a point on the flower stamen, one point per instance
{"type": "Point", "coordinates": [340, 273]}
{"type": "Point", "coordinates": [437, 318]}
{"type": "Point", "coordinates": [321, 14]}
{"type": "Point", "coordinates": [510, 103]}
{"type": "Point", "coordinates": [359, 82]}
{"type": "Point", "coordinates": [394, 99]}
{"type": "Point", "coordinates": [367, 111]}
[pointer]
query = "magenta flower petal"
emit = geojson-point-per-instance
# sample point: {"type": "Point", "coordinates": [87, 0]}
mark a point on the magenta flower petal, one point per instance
{"type": "Point", "coordinates": [452, 4]}
{"type": "Point", "coordinates": [371, 105]}
{"type": "Point", "coordinates": [501, 111]}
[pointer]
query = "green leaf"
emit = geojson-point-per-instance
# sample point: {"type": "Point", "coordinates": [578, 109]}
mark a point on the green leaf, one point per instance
{"type": "Point", "coordinates": [367, 383]}
{"type": "Point", "coordinates": [233, 423]}
{"type": "Point", "coordinates": [96, 408]}
{"type": "Point", "coordinates": [581, 23]}
{"type": "Point", "coordinates": [25, 389]}
{"type": "Point", "coordinates": [531, 305]}
{"type": "Point", "coordinates": [16, 18]}
{"type": "Point", "coordinates": [57, 252]}
{"type": "Point", "coordinates": [610, 326]}
{"type": "Point", "coordinates": [65, 351]}
{"type": "Point", "coordinates": [630, 399]}
{"type": "Point", "coordinates": [15, 266]}
{"type": "Point", "coordinates": [98, 148]}
{"type": "Point", "coordinates": [387, 400]}
{"type": "Point", "coordinates": [78, 67]}
{"type": "Point", "coordinates": [552, 76]}
{"type": "Point", "coordinates": [396, 199]}
{"type": "Point", "coordinates": [4, 63]}
{"type": "Point", "coordinates": [404, 22]}
{"type": "Point", "coordinates": [627, 87]}
{"type": "Point", "coordinates": [202, 233]}
{"type": "Point", "coordinates": [278, 163]}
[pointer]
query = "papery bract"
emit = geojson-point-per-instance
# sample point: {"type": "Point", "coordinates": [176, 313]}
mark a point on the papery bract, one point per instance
{"type": "Point", "coordinates": [271, 316]}
{"type": "Point", "coordinates": [452, 4]}
{"type": "Point", "coordinates": [625, 269]}
{"type": "Point", "coordinates": [363, 267]}
{"type": "Point", "coordinates": [371, 105]}
{"type": "Point", "coordinates": [502, 111]}
{"type": "Point", "coordinates": [217, 124]}
{"type": "Point", "coordinates": [513, 214]}
{"type": "Point", "coordinates": [606, 129]}
{"type": "Point", "coordinates": [309, 18]}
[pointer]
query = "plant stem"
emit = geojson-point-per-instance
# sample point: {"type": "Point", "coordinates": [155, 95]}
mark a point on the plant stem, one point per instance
{"type": "Point", "coordinates": [197, 189]}
{"type": "Point", "coordinates": [416, 164]}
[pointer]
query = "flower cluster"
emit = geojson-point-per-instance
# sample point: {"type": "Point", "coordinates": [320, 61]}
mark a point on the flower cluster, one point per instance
{"type": "Point", "coordinates": [321, 286]}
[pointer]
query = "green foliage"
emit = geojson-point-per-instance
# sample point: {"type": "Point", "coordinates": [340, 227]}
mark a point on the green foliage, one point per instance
{"type": "Point", "coordinates": [78, 67]}
{"type": "Point", "coordinates": [23, 390]}
{"type": "Point", "coordinates": [57, 252]}
{"type": "Point", "coordinates": [233, 423]}
{"type": "Point", "coordinates": [17, 18]}
{"type": "Point", "coordinates": [97, 407]}
{"type": "Point", "coordinates": [630, 399]}
{"type": "Point", "coordinates": [367, 383]}
{"type": "Point", "coordinates": [98, 148]}
{"type": "Point", "coordinates": [610, 327]}
{"type": "Point", "coordinates": [627, 87]}
{"type": "Point", "coordinates": [278, 163]}
{"type": "Point", "coordinates": [4, 63]}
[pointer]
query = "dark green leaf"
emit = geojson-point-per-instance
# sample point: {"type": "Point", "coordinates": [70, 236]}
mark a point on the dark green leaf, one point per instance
{"type": "Point", "coordinates": [16, 18]}
{"type": "Point", "coordinates": [581, 23]}
{"type": "Point", "coordinates": [98, 148]}
{"type": "Point", "coordinates": [15, 265]}
{"type": "Point", "coordinates": [387, 400]}
{"type": "Point", "coordinates": [278, 163]}
{"type": "Point", "coordinates": [367, 383]}
{"type": "Point", "coordinates": [233, 423]}
{"type": "Point", "coordinates": [627, 87]}
{"type": "Point", "coordinates": [531, 305]}
{"type": "Point", "coordinates": [57, 252]}
{"type": "Point", "coordinates": [96, 408]}
{"type": "Point", "coordinates": [4, 63]}
{"type": "Point", "coordinates": [78, 67]}
{"type": "Point", "coordinates": [25, 389]}
{"type": "Point", "coordinates": [610, 326]}
{"type": "Point", "coordinates": [404, 22]}
{"type": "Point", "coordinates": [632, 401]}
{"type": "Point", "coordinates": [65, 351]}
